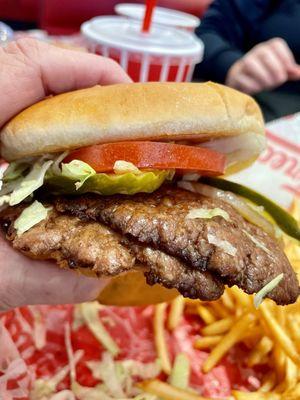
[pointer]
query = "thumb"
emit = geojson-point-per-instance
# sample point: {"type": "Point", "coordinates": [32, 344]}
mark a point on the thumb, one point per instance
{"type": "Point", "coordinates": [24, 281]}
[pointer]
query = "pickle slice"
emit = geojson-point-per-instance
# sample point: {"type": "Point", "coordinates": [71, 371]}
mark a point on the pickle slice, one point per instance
{"type": "Point", "coordinates": [283, 219]}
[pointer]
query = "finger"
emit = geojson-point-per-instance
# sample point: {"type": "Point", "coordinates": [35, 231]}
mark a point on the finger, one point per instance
{"type": "Point", "coordinates": [294, 72]}
{"type": "Point", "coordinates": [275, 67]}
{"type": "Point", "coordinates": [31, 70]}
{"type": "Point", "coordinates": [255, 69]}
{"type": "Point", "coordinates": [247, 84]}
{"type": "Point", "coordinates": [64, 70]}
{"type": "Point", "coordinates": [282, 50]}
{"type": "Point", "coordinates": [25, 281]}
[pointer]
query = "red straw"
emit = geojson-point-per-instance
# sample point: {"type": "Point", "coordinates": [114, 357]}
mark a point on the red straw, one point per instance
{"type": "Point", "coordinates": [150, 4]}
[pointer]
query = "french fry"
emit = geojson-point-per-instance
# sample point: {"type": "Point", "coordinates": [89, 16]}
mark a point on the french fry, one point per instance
{"type": "Point", "coordinates": [207, 342]}
{"type": "Point", "coordinates": [218, 327]}
{"type": "Point", "coordinates": [219, 309]}
{"type": "Point", "coordinates": [253, 336]}
{"type": "Point", "coordinates": [168, 392]}
{"type": "Point", "coordinates": [205, 314]}
{"type": "Point", "coordinates": [294, 328]}
{"type": "Point", "coordinates": [255, 396]}
{"type": "Point", "coordinates": [234, 336]}
{"type": "Point", "coordinates": [176, 312]}
{"type": "Point", "coordinates": [292, 394]}
{"type": "Point", "coordinates": [192, 302]}
{"type": "Point", "coordinates": [268, 383]}
{"type": "Point", "coordinates": [280, 334]}
{"type": "Point", "coordinates": [188, 310]}
{"type": "Point", "coordinates": [227, 300]}
{"type": "Point", "coordinates": [242, 299]}
{"type": "Point", "coordinates": [291, 375]}
{"type": "Point", "coordinates": [263, 347]}
{"type": "Point", "coordinates": [280, 314]}
{"type": "Point", "coordinates": [159, 336]}
{"type": "Point", "coordinates": [279, 359]}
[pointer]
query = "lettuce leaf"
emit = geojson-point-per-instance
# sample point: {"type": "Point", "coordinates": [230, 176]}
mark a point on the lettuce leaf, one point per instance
{"type": "Point", "coordinates": [24, 177]}
{"type": "Point", "coordinates": [15, 170]}
{"type": "Point", "coordinates": [30, 216]}
{"type": "Point", "coordinates": [17, 188]}
{"type": "Point", "coordinates": [78, 171]}
{"type": "Point", "coordinates": [180, 375]}
{"type": "Point", "coordinates": [30, 183]}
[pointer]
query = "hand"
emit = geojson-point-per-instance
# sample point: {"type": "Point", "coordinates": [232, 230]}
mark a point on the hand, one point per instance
{"type": "Point", "coordinates": [29, 71]}
{"type": "Point", "coordinates": [266, 66]}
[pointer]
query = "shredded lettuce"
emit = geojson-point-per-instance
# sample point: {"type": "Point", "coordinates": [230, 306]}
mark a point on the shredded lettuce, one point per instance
{"type": "Point", "coordinates": [4, 199]}
{"type": "Point", "coordinates": [107, 372]}
{"type": "Point", "coordinates": [78, 171]}
{"type": "Point", "coordinates": [22, 178]}
{"type": "Point", "coordinates": [118, 377]}
{"type": "Point", "coordinates": [192, 177]}
{"type": "Point", "coordinates": [55, 168]}
{"type": "Point", "coordinates": [43, 388]}
{"type": "Point", "coordinates": [15, 170]}
{"type": "Point", "coordinates": [89, 393]}
{"type": "Point", "coordinates": [258, 298]}
{"type": "Point", "coordinates": [32, 182]}
{"type": "Point", "coordinates": [257, 242]}
{"type": "Point", "coordinates": [222, 244]}
{"type": "Point", "coordinates": [180, 374]}
{"type": "Point", "coordinates": [31, 216]}
{"type": "Point", "coordinates": [207, 213]}
{"type": "Point", "coordinates": [22, 188]}
{"type": "Point", "coordinates": [90, 313]}
{"type": "Point", "coordinates": [122, 167]}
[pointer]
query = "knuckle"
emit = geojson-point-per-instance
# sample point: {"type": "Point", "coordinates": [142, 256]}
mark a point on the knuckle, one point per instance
{"type": "Point", "coordinates": [264, 52]}
{"type": "Point", "coordinates": [274, 42]}
{"type": "Point", "coordinates": [111, 63]}
{"type": "Point", "coordinates": [260, 48]}
{"type": "Point", "coordinates": [27, 48]}
{"type": "Point", "coordinates": [248, 63]}
{"type": "Point", "coordinates": [25, 45]}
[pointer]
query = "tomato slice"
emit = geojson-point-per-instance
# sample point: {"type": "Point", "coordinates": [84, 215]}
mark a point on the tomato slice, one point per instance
{"type": "Point", "coordinates": [151, 155]}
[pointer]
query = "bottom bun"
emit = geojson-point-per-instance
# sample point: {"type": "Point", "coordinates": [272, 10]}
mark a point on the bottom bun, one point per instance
{"type": "Point", "coordinates": [131, 289]}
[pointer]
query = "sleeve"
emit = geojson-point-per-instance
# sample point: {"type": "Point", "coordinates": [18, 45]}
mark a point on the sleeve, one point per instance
{"type": "Point", "coordinates": [222, 31]}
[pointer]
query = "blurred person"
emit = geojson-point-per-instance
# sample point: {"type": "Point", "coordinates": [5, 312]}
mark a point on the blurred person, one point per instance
{"type": "Point", "coordinates": [254, 46]}
{"type": "Point", "coordinates": [30, 71]}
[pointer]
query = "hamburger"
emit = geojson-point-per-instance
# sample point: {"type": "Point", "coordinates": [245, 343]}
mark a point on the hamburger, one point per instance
{"type": "Point", "coordinates": [121, 182]}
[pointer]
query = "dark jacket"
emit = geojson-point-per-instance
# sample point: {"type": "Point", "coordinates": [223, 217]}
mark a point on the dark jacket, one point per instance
{"type": "Point", "coordinates": [230, 28]}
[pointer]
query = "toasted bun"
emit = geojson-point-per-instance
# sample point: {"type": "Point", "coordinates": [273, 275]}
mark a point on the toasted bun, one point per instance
{"type": "Point", "coordinates": [155, 111]}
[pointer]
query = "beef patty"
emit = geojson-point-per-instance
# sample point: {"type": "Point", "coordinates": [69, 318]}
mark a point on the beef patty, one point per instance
{"type": "Point", "coordinates": [111, 234]}
{"type": "Point", "coordinates": [75, 244]}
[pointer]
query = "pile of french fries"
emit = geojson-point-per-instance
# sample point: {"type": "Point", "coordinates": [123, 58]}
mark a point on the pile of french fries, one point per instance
{"type": "Point", "coordinates": [271, 333]}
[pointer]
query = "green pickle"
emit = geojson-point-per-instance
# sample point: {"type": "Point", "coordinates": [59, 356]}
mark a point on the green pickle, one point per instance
{"type": "Point", "coordinates": [283, 219]}
{"type": "Point", "coordinates": [109, 184]}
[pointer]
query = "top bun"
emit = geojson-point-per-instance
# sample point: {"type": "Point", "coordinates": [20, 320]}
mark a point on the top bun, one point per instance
{"type": "Point", "coordinates": [135, 111]}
